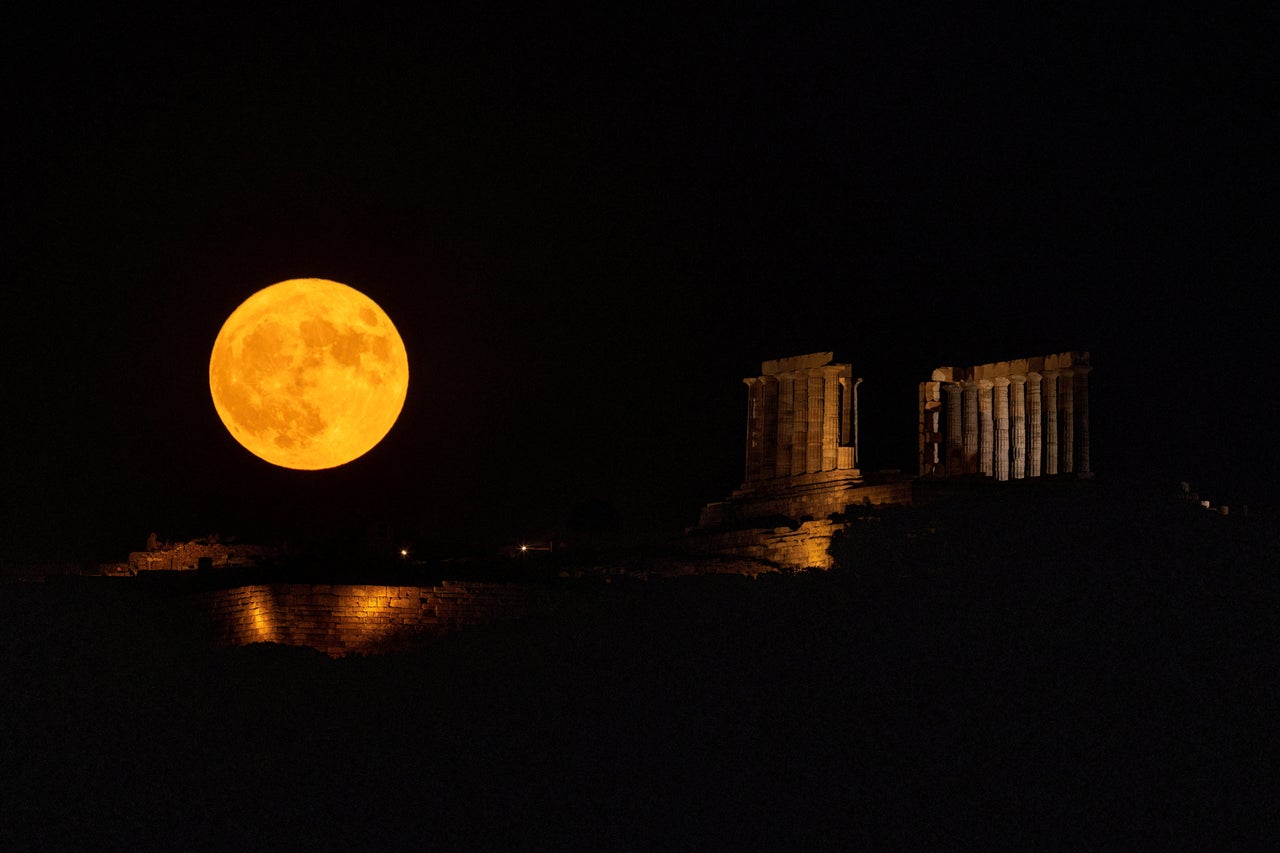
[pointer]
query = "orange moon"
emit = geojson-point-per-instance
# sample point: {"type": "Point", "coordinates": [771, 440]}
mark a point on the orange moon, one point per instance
{"type": "Point", "coordinates": [308, 374]}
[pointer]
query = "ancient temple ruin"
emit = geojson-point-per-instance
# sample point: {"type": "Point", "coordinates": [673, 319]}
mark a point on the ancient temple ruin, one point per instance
{"type": "Point", "coordinates": [801, 465]}
{"type": "Point", "coordinates": [1007, 420]}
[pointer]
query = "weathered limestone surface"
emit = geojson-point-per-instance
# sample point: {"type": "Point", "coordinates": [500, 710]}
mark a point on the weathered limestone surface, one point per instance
{"type": "Point", "coordinates": [1008, 420]}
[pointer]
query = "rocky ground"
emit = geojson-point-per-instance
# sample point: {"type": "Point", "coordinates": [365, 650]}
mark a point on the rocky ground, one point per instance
{"type": "Point", "coordinates": [1084, 669]}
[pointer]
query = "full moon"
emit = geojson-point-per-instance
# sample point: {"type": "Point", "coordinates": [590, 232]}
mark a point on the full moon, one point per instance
{"type": "Point", "coordinates": [308, 374]}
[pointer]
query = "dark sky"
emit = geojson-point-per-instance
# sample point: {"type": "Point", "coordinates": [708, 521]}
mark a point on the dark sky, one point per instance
{"type": "Point", "coordinates": [589, 227]}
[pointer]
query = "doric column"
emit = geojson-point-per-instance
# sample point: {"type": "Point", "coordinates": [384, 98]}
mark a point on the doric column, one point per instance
{"type": "Point", "coordinates": [857, 441]}
{"type": "Point", "coordinates": [986, 443]}
{"type": "Point", "coordinates": [800, 423]}
{"type": "Point", "coordinates": [1050, 422]}
{"type": "Point", "coordinates": [769, 428]}
{"type": "Point", "coordinates": [1018, 424]}
{"type": "Point", "coordinates": [1035, 421]}
{"type": "Point", "coordinates": [754, 424]}
{"type": "Point", "coordinates": [986, 447]}
{"type": "Point", "coordinates": [830, 418]}
{"type": "Point", "coordinates": [1082, 418]}
{"type": "Point", "coordinates": [813, 459]}
{"type": "Point", "coordinates": [955, 432]}
{"type": "Point", "coordinates": [1066, 403]}
{"type": "Point", "coordinates": [846, 406]}
{"type": "Point", "coordinates": [786, 423]}
{"type": "Point", "coordinates": [848, 450]}
{"type": "Point", "coordinates": [1001, 394]}
{"type": "Point", "coordinates": [971, 427]}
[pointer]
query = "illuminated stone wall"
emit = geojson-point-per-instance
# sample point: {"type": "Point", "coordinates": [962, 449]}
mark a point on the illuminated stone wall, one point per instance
{"type": "Point", "coordinates": [339, 619]}
{"type": "Point", "coordinates": [186, 556]}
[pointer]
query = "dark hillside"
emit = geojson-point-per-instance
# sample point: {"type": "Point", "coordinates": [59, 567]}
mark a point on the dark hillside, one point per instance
{"type": "Point", "coordinates": [1072, 667]}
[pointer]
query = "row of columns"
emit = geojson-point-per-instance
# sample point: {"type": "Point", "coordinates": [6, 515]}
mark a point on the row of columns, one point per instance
{"type": "Point", "coordinates": [1008, 427]}
{"type": "Point", "coordinates": [801, 422]}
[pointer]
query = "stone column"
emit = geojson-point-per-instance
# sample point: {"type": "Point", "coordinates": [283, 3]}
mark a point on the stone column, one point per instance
{"type": "Point", "coordinates": [769, 428]}
{"type": "Point", "coordinates": [830, 418]}
{"type": "Point", "coordinates": [813, 460]}
{"type": "Point", "coordinates": [1035, 420]}
{"type": "Point", "coordinates": [1001, 393]}
{"type": "Point", "coordinates": [1082, 418]}
{"type": "Point", "coordinates": [929, 428]}
{"type": "Point", "coordinates": [986, 447]}
{"type": "Point", "coordinates": [800, 422]}
{"type": "Point", "coordinates": [848, 450]}
{"type": "Point", "coordinates": [786, 424]}
{"type": "Point", "coordinates": [1018, 423]}
{"type": "Point", "coordinates": [971, 427]}
{"type": "Point", "coordinates": [754, 425]}
{"type": "Point", "coordinates": [857, 441]}
{"type": "Point", "coordinates": [1050, 422]}
{"type": "Point", "coordinates": [955, 433]}
{"type": "Point", "coordinates": [1066, 403]}
{"type": "Point", "coordinates": [846, 405]}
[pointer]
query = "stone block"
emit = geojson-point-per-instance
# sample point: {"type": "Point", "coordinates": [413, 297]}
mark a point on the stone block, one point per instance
{"type": "Point", "coordinates": [796, 362]}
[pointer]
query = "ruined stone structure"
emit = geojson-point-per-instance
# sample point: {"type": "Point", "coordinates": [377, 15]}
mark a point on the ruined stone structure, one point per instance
{"type": "Point", "coordinates": [187, 556]}
{"type": "Point", "coordinates": [1007, 420]}
{"type": "Point", "coordinates": [801, 466]}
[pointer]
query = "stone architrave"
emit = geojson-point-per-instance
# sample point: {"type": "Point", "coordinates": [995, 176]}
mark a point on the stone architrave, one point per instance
{"type": "Point", "coordinates": [1082, 417]}
{"type": "Point", "coordinates": [955, 433]}
{"type": "Point", "coordinates": [971, 427]}
{"type": "Point", "coordinates": [786, 424]}
{"type": "Point", "coordinates": [754, 436]}
{"type": "Point", "coordinates": [1035, 421]}
{"type": "Point", "coordinates": [1001, 405]}
{"type": "Point", "coordinates": [769, 428]}
{"type": "Point", "coordinates": [830, 418]}
{"type": "Point", "coordinates": [986, 446]}
{"type": "Point", "coordinates": [1050, 422]}
{"type": "Point", "coordinates": [1066, 397]}
{"type": "Point", "coordinates": [813, 461]}
{"type": "Point", "coordinates": [1018, 424]}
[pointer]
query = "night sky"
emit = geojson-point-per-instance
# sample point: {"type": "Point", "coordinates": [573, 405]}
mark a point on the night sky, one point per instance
{"type": "Point", "coordinates": [589, 227]}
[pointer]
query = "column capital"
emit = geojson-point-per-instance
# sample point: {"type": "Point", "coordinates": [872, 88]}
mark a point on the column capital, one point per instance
{"type": "Point", "coordinates": [1018, 378]}
{"type": "Point", "coordinates": [752, 380]}
{"type": "Point", "coordinates": [1034, 376]}
{"type": "Point", "coordinates": [985, 384]}
{"type": "Point", "coordinates": [1001, 381]}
